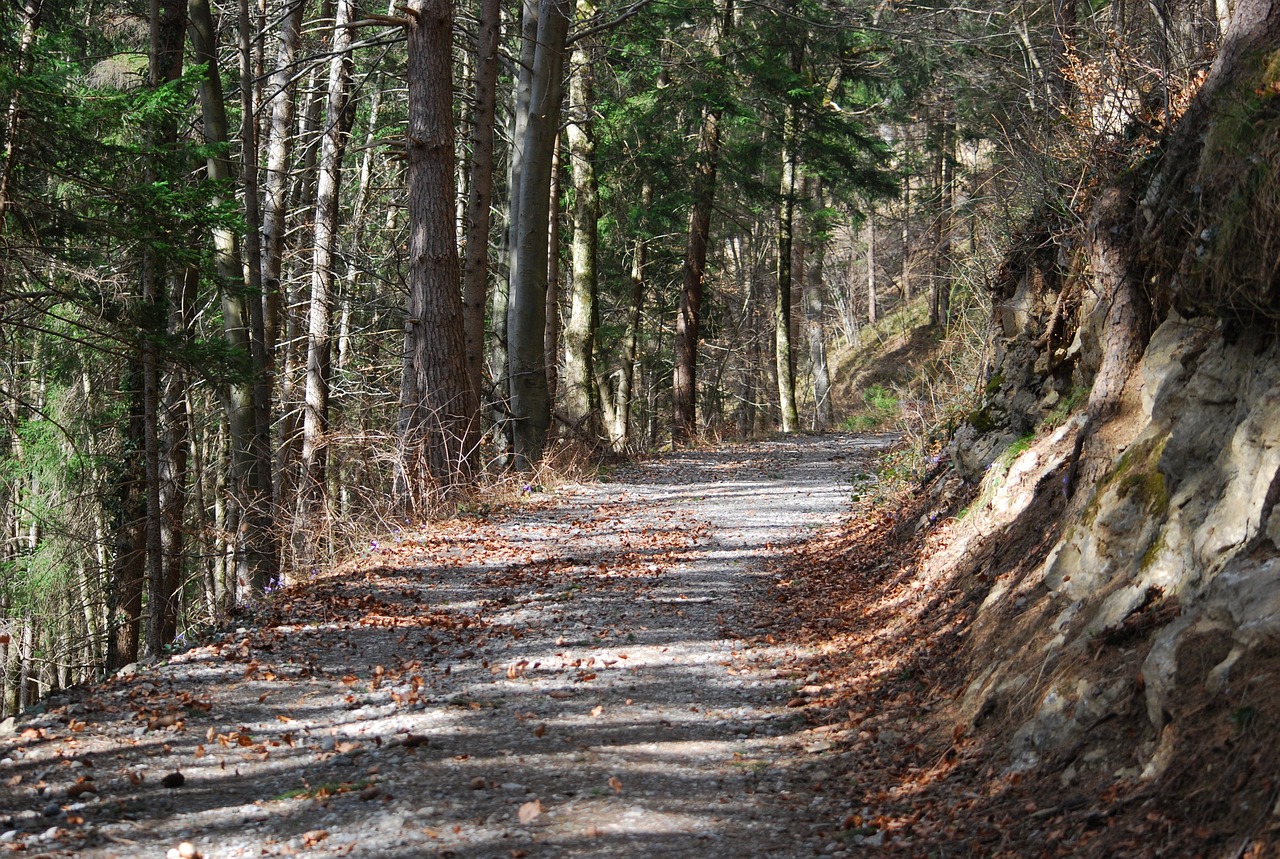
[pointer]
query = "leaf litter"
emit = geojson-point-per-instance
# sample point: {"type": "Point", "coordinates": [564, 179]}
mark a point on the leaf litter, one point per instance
{"type": "Point", "coordinates": [705, 656]}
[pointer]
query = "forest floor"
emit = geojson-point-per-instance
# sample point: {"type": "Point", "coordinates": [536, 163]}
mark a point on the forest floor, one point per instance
{"type": "Point", "coordinates": [589, 674]}
{"type": "Point", "coordinates": [706, 654]}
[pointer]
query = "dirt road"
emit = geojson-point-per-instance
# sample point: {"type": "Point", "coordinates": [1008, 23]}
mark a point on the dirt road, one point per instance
{"type": "Point", "coordinates": [583, 676]}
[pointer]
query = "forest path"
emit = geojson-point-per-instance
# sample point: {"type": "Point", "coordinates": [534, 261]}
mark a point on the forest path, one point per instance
{"type": "Point", "coordinates": [586, 675]}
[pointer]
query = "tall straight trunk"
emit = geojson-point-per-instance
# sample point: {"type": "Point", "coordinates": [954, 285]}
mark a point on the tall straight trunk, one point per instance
{"type": "Point", "coordinates": [261, 514]}
{"type": "Point", "coordinates": [315, 420]}
{"type": "Point", "coordinates": [551, 329]}
{"type": "Point", "coordinates": [906, 241]}
{"type": "Point", "coordinates": [128, 566]}
{"type": "Point", "coordinates": [13, 116]}
{"type": "Point", "coordinates": [619, 435]}
{"type": "Point", "coordinates": [440, 432]}
{"type": "Point", "coordinates": [175, 443]}
{"type": "Point", "coordinates": [871, 268]}
{"type": "Point", "coordinates": [526, 309]}
{"type": "Point", "coordinates": [475, 267]}
{"type": "Point", "coordinates": [168, 24]}
{"type": "Point", "coordinates": [814, 316]}
{"type": "Point", "coordinates": [275, 208]}
{"type": "Point", "coordinates": [684, 382]}
{"type": "Point", "coordinates": [245, 399]}
{"type": "Point", "coordinates": [946, 224]}
{"type": "Point", "coordinates": [291, 350]}
{"type": "Point", "coordinates": [941, 235]}
{"type": "Point", "coordinates": [784, 354]}
{"type": "Point", "coordinates": [580, 394]}
{"type": "Point", "coordinates": [517, 124]}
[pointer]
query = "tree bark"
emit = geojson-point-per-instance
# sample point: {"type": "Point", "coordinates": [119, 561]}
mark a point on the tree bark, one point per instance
{"type": "Point", "coordinates": [440, 434]}
{"type": "Point", "coordinates": [580, 393]}
{"type": "Point", "coordinates": [245, 399]}
{"type": "Point", "coordinates": [551, 329]}
{"type": "Point", "coordinates": [262, 544]}
{"type": "Point", "coordinates": [315, 422]}
{"type": "Point", "coordinates": [13, 116]}
{"type": "Point", "coordinates": [684, 383]}
{"type": "Point", "coordinates": [814, 287]}
{"type": "Point", "coordinates": [784, 354]}
{"type": "Point", "coordinates": [620, 432]}
{"type": "Point", "coordinates": [500, 369]}
{"type": "Point", "coordinates": [871, 268]}
{"type": "Point", "coordinates": [906, 240]}
{"type": "Point", "coordinates": [275, 209]}
{"type": "Point", "coordinates": [475, 269]}
{"type": "Point", "coordinates": [128, 567]}
{"type": "Point", "coordinates": [168, 23]}
{"type": "Point", "coordinates": [526, 309]}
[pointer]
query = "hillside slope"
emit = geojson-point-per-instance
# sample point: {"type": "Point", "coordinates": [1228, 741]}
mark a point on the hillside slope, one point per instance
{"type": "Point", "coordinates": [1109, 588]}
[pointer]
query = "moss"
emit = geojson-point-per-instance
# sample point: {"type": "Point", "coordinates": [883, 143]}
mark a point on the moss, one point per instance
{"type": "Point", "coordinates": [1150, 488]}
{"type": "Point", "coordinates": [982, 420]}
{"type": "Point", "coordinates": [993, 386]}
{"type": "Point", "coordinates": [1153, 551]}
{"type": "Point", "coordinates": [1136, 474]}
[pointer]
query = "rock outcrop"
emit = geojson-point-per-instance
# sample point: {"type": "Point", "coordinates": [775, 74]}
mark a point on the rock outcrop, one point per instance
{"type": "Point", "coordinates": [1153, 601]}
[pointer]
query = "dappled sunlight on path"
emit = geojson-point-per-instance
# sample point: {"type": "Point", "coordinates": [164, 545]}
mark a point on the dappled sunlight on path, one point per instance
{"type": "Point", "coordinates": [577, 678]}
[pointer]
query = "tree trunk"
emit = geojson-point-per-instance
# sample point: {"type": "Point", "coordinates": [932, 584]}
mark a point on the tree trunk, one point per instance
{"type": "Point", "coordinates": [621, 428]}
{"type": "Point", "coordinates": [262, 544]}
{"type": "Point", "coordinates": [814, 287]}
{"type": "Point", "coordinates": [526, 309]}
{"type": "Point", "coordinates": [684, 384]}
{"type": "Point", "coordinates": [783, 352]}
{"type": "Point", "coordinates": [871, 268]}
{"type": "Point", "coordinates": [441, 432]}
{"type": "Point", "coordinates": [275, 210]}
{"type": "Point", "coordinates": [947, 224]}
{"type": "Point", "coordinates": [500, 412]}
{"type": "Point", "coordinates": [551, 330]}
{"type": "Point", "coordinates": [13, 116]}
{"type": "Point", "coordinates": [906, 240]}
{"type": "Point", "coordinates": [245, 400]}
{"type": "Point", "coordinates": [168, 24]}
{"type": "Point", "coordinates": [475, 269]}
{"type": "Point", "coordinates": [580, 400]}
{"type": "Point", "coordinates": [315, 421]}
{"type": "Point", "coordinates": [128, 568]}
{"type": "Point", "coordinates": [175, 445]}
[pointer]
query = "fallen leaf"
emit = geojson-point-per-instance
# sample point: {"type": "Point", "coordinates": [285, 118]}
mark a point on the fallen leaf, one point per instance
{"type": "Point", "coordinates": [530, 811]}
{"type": "Point", "coordinates": [314, 837]}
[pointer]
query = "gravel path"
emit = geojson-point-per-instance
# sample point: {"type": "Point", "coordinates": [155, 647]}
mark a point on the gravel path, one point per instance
{"type": "Point", "coordinates": [584, 677]}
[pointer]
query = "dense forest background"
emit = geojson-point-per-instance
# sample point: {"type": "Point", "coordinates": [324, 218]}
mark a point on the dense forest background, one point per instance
{"type": "Point", "coordinates": [277, 274]}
